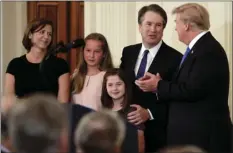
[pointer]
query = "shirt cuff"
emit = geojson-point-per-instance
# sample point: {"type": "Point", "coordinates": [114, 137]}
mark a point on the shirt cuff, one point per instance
{"type": "Point", "coordinates": [155, 92]}
{"type": "Point", "coordinates": [151, 116]}
{"type": "Point", "coordinates": [157, 95]}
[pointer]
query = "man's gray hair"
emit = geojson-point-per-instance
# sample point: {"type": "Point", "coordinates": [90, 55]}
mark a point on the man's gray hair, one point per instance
{"type": "Point", "coordinates": [36, 124]}
{"type": "Point", "coordinates": [100, 132]}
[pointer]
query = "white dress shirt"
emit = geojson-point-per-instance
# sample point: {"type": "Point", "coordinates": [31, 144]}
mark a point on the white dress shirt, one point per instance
{"type": "Point", "coordinates": [193, 42]}
{"type": "Point", "coordinates": [150, 57]}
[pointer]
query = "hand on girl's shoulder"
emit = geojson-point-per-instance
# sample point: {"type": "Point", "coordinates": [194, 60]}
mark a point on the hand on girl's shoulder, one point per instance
{"type": "Point", "coordinates": [132, 109]}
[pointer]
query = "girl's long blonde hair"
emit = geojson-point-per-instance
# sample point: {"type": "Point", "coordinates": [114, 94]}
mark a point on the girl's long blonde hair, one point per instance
{"type": "Point", "coordinates": [79, 75]}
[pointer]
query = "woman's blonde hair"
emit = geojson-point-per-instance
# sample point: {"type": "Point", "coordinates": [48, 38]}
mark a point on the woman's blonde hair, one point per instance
{"type": "Point", "coordinates": [81, 69]}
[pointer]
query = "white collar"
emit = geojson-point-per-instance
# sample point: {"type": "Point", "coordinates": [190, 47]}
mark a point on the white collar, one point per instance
{"type": "Point", "coordinates": [192, 43]}
{"type": "Point", "coordinates": [153, 51]}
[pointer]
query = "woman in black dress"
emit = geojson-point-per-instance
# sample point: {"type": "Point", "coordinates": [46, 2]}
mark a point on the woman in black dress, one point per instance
{"type": "Point", "coordinates": [35, 71]}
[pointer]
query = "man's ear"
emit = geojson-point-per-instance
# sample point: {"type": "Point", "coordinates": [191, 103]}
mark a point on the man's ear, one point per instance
{"type": "Point", "coordinates": [187, 27]}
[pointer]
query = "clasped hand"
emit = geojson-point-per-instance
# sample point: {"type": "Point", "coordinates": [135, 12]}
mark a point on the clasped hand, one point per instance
{"type": "Point", "coordinates": [149, 82]}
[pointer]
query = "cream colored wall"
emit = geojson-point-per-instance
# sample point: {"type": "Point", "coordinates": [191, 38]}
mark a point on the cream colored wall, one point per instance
{"type": "Point", "coordinates": [1, 65]}
{"type": "Point", "coordinates": [118, 22]}
{"type": "Point", "coordinates": [13, 25]}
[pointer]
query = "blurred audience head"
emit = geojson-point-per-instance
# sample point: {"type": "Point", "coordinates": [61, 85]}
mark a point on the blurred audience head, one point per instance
{"type": "Point", "coordinates": [5, 140]}
{"type": "Point", "coordinates": [100, 132]}
{"type": "Point", "coordinates": [38, 124]}
{"type": "Point", "coordinates": [7, 101]}
{"type": "Point", "coordinates": [182, 149]}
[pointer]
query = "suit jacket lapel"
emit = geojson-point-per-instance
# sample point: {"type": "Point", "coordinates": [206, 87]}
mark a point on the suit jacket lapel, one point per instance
{"type": "Point", "coordinates": [194, 49]}
{"type": "Point", "coordinates": [134, 57]}
{"type": "Point", "coordinates": [158, 59]}
{"type": "Point", "coordinates": [181, 67]}
{"type": "Point", "coordinates": [135, 54]}
{"type": "Point", "coordinates": [185, 60]}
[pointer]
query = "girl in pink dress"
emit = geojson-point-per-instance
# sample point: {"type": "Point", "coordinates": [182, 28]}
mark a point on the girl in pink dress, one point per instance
{"type": "Point", "coordinates": [87, 78]}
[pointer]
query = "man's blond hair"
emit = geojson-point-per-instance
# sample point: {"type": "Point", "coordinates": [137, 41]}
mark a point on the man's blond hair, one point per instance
{"type": "Point", "coordinates": [194, 14]}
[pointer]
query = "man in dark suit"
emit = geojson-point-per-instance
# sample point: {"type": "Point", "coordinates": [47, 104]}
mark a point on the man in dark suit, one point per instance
{"type": "Point", "coordinates": [198, 95]}
{"type": "Point", "coordinates": [154, 56]}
